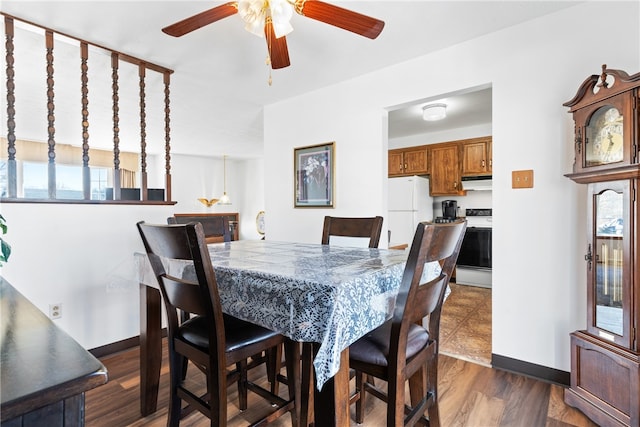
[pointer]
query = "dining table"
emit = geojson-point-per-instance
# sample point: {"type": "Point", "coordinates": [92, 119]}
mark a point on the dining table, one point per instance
{"type": "Point", "coordinates": [328, 296]}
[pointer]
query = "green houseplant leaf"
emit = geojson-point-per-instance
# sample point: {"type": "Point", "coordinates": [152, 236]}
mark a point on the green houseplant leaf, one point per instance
{"type": "Point", "coordinates": [5, 248]}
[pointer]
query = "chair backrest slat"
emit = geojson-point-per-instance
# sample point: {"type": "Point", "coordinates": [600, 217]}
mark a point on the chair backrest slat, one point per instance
{"type": "Point", "coordinates": [416, 300]}
{"type": "Point", "coordinates": [426, 298]}
{"type": "Point", "coordinates": [370, 227]}
{"type": "Point", "coordinates": [184, 295]}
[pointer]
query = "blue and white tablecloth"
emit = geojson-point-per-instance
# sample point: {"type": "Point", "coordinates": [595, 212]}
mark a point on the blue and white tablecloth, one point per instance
{"type": "Point", "coordinates": [309, 292]}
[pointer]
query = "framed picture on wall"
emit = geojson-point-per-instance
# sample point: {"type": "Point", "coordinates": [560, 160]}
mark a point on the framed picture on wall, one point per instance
{"type": "Point", "coordinates": [314, 169]}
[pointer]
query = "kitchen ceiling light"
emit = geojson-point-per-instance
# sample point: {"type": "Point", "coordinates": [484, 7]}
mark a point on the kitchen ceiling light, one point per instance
{"type": "Point", "coordinates": [434, 112]}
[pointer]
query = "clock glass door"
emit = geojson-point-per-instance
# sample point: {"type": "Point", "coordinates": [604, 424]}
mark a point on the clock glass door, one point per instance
{"type": "Point", "coordinates": [608, 267]}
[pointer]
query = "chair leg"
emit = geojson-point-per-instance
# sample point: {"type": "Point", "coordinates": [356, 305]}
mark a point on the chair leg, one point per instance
{"type": "Point", "coordinates": [434, 415]}
{"type": "Point", "coordinates": [307, 386]}
{"type": "Point", "coordinates": [432, 387]}
{"type": "Point", "coordinates": [176, 361]}
{"type": "Point", "coordinates": [217, 388]}
{"type": "Point", "coordinates": [395, 402]}
{"type": "Point", "coordinates": [242, 384]}
{"type": "Point", "coordinates": [417, 392]}
{"type": "Point", "coordinates": [417, 387]}
{"type": "Point", "coordinates": [292, 361]}
{"type": "Point", "coordinates": [274, 364]}
{"type": "Point", "coordinates": [360, 388]}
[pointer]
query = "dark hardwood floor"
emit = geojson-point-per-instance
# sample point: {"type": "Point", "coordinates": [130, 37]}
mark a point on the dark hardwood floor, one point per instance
{"type": "Point", "coordinates": [470, 395]}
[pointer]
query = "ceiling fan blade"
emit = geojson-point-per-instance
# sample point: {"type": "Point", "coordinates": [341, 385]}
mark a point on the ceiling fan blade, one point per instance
{"type": "Point", "coordinates": [201, 19]}
{"type": "Point", "coordinates": [278, 51]}
{"type": "Point", "coordinates": [340, 17]}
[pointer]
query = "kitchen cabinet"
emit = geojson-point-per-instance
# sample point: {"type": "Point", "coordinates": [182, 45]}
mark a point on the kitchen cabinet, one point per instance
{"type": "Point", "coordinates": [605, 357]}
{"type": "Point", "coordinates": [444, 162]}
{"type": "Point", "coordinates": [445, 169]}
{"type": "Point", "coordinates": [408, 161]}
{"type": "Point", "coordinates": [476, 156]}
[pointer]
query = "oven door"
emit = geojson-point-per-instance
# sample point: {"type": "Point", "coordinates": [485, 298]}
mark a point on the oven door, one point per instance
{"type": "Point", "coordinates": [476, 248]}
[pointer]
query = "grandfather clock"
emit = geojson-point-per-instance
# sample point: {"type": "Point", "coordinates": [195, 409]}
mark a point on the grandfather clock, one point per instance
{"type": "Point", "coordinates": [605, 362]}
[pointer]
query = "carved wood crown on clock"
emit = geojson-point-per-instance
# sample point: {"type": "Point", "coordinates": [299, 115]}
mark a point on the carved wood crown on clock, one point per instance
{"type": "Point", "coordinates": [606, 118]}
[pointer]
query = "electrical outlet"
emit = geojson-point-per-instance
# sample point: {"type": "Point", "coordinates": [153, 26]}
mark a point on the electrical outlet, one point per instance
{"type": "Point", "coordinates": [55, 311]}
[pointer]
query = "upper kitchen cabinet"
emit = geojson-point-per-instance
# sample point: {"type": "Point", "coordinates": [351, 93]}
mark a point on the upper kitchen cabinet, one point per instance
{"type": "Point", "coordinates": [476, 156]}
{"type": "Point", "coordinates": [408, 161]}
{"type": "Point", "coordinates": [445, 169]}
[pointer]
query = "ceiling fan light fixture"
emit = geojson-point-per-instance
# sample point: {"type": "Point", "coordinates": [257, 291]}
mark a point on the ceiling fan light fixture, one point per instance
{"type": "Point", "coordinates": [433, 112]}
{"type": "Point", "coordinates": [281, 14]}
{"type": "Point", "coordinates": [255, 14]}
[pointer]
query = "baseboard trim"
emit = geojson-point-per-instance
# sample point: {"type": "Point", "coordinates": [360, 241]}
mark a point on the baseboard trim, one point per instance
{"type": "Point", "coordinates": [118, 346]}
{"type": "Point", "coordinates": [543, 373]}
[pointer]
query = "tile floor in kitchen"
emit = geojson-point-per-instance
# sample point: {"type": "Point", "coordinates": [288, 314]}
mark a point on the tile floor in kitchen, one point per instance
{"type": "Point", "coordinates": [465, 325]}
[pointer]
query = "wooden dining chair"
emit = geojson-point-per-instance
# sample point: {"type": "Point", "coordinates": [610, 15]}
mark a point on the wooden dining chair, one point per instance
{"type": "Point", "coordinates": [402, 349]}
{"type": "Point", "coordinates": [209, 339]}
{"type": "Point", "coordinates": [368, 227]}
{"type": "Point", "coordinates": [216, 228]}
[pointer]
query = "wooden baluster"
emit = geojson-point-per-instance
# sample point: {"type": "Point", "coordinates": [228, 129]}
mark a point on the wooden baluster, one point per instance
{"type": "Point", "coordinates": [167, 137]}
{"type": "Point", "coordinates": [51, 129]}
{"type": "Point", "coordinates": [143, 134]}
{"type": "Point", "coordinates": [116, 127]}
{"type": "Point", "coordinates": [12, 191]}
{"type": "Point", "coordinates": [86, 171]}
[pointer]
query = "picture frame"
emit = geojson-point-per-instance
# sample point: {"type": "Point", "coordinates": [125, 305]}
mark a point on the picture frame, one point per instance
{"type": "Point", "coordinates": [314, 176]}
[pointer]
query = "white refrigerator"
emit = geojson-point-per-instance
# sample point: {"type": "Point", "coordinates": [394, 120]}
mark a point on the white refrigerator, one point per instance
{"type": "Point", "coordinates": [409, 203]}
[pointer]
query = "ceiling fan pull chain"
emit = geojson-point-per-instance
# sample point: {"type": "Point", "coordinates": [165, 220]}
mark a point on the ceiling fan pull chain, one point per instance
{"type": "Point", "coordinates": [268, 60]}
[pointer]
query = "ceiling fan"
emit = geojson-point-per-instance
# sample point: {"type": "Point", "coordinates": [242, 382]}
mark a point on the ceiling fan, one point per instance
{"type": "Point", "coordinates": [272, 18]}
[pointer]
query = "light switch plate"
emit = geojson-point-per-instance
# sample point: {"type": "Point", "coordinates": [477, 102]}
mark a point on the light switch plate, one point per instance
{"type": "Point", "coordinates": [522, 179]}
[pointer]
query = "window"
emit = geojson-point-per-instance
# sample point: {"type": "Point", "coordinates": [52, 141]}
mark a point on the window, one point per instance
{"type": "Point", "coordinates": [111, 136]}
{"type": "Point", "coordinates": [33, 182]}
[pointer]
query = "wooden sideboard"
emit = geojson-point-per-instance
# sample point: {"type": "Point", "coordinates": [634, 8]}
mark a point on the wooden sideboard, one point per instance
{"type": "Point", "coordinates": [232, 217]}
{"type": "Point", "coordinates": [44, 372]}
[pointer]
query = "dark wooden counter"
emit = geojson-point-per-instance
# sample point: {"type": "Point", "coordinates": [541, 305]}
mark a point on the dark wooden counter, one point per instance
{"type": "Point", "coordinates": [44, 372]}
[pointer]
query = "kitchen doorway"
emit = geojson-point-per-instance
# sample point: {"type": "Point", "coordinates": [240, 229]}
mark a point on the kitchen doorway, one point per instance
{"type": "Point", "coordinates": [466, 325]}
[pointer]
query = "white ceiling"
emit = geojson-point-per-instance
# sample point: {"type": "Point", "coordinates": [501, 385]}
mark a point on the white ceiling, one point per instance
{"type": "Point", "coordinates": [465, 108]}
{"type": "Point", "coordinates": [220, 85]}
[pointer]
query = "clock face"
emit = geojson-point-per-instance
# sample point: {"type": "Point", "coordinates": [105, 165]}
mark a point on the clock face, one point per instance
{"type": "Point", "coordinates": [260, 222]}
{"type": "Point", "coordinates": [605, 137]}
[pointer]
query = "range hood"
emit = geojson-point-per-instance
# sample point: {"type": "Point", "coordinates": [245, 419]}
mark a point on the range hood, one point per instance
{"type": "Point", "coordinates": [477, 183]}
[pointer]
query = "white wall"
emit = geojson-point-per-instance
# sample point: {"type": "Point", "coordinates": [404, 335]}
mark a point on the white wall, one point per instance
{"type": "Point", "coordinates": [194, 177]}
{"type": "Point", "coordinates": [444, 136]}
{"type": "Point", "coordinates": [356, 127]}
{"type": "Point", "coordinates": [82, 255]}
{"type": "Point", "coordinates": [538, 280]}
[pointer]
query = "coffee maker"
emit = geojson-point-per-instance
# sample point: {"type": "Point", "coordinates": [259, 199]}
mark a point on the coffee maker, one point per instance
{"type": "Point", "coordinates": [449, 209]}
